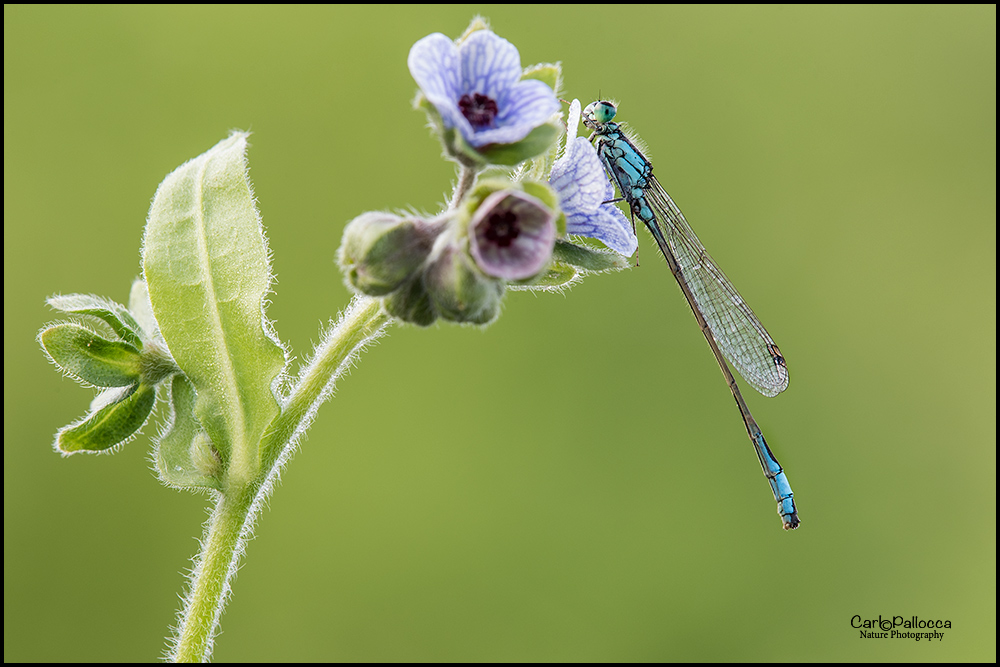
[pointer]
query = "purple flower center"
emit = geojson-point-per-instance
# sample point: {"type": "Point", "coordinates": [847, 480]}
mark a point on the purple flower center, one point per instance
{"type": "Point", "coordinates": [479, 110]}
{"type": "Point", "coordinates": [502, 228]}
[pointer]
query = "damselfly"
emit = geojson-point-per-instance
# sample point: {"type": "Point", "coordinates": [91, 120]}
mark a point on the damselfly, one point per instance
{"type": "Point", "coordinates": [730, 327]}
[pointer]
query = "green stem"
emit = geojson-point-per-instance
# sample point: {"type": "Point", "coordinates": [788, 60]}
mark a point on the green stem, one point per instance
{"type": "Point", "coordinates": [210, 580]}
{"type": "Point", "coordinates": [232, 520]}
{"type": "Point", "coordinates": [362, 322]}
{"type": "Point", "coordinates": [466, 178]}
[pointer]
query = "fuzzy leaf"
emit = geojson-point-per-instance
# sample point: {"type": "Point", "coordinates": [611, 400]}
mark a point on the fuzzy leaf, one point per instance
{"type": "Point", "coordinates": [184, 456]}
{"type": "Point", "coordinates": [548, 73]}
{"type": "Point", "coordinates": [206, 265]}
{"type": "Point", "coordinates": [85, 355]}
{"type": "Point", "coordinates": [115, 314]}
{"type": "Point", "coordinates": [110, 425]}
{"type": "Point", "coordinates": [538, 141]}
{"type": "Point", "coordinates": [589, 259]}
{"type": "Point", "coordinates": [556, 276]}
{"type": "Point", "coordinates": [142, 310]}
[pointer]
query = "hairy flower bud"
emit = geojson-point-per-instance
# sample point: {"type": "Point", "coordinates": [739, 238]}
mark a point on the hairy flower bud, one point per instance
{"type": "Point", "coordinates": [381, 251]}
{"type": "Point", "coordinates": [458, 289]}
{"type": "Point", "coordinates": [411, 303]}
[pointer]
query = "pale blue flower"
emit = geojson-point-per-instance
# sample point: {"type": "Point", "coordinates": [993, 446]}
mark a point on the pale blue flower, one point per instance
{"type": "Point", "coordinates": [476, 86]}
{"type": "Point", "coordinates": [578, 177]}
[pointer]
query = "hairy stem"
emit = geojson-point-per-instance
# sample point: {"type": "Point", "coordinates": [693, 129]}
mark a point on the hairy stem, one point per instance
{"type": "Point", "coordinates": [225, 536]}
{"type": "Point", "coordinates": [232, 521]}
{"type": "Point", "coordinates": [466, 178]}
{"type": "Point", "coordinates": [363, 322]}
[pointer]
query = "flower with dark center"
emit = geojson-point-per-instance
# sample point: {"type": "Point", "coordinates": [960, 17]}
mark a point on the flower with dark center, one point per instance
{"type": "Point", "coordinates": [502, 228]}
{"type": "Point", "coordinates": [478, 110]}
{"type": "Point", "coordinates": [511, 235]}
{"type": "Point", "coordinates": [476, 87]}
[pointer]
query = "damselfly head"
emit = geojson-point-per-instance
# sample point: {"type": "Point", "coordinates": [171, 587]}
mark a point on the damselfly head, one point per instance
{"type": "Point", "coordinates": [598, 113]}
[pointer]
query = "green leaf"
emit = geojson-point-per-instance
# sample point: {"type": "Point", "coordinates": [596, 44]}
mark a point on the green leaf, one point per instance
{"type": "Point", "coordinates": [142, 310]}
{"type": "Point", "coordinates": [206, 265]}
{"type": "Point", "coordinates": [538, 141]}
{"type": "Point", "coordinates": [115, 314]}
{"type": "Point", "coordinates": [570, 262]}
{"type": "Point", "coordinates": [86, 356]}
{"type": "Point", "coordinates": [589, 259]}
{"type": "Point", "coordinates": [110, 425]}
{"type": "Point", "coordinates": [477, 23]}
{"type": "Point", "coordinates": [184, 454]}
{"type": "Point", "coordinates": [556, 276]}
{"type": "Point", "coordinates": [548, 73]}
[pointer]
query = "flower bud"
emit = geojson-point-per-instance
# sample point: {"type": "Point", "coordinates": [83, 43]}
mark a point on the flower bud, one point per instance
{"type": "Point", "coordinates": [411, 303]}
{"type": "Point", "coordinates": [457, 288]}
{"type": "Point", "coordinates": [111, 424]}
{"type": "Point", "coordinates": [204, 458]}
{"type": "Point", "coordinates": [381, 251]}
{"type": "Point", "coordinates": [89, 357]}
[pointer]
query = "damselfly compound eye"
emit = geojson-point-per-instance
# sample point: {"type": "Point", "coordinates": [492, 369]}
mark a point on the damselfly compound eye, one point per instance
{"type": "Point", "coordinates": [603, 111]}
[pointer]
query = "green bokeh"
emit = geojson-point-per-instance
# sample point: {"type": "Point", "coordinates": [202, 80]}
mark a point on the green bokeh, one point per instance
{"type": "Point", "coordinates": [573, 483]}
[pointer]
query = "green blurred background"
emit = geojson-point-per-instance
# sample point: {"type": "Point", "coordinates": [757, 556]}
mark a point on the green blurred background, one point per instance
{"type": "Point", "coordinates": [573, 483]}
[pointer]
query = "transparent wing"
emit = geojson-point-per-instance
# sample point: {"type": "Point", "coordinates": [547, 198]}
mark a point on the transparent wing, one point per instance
{"type": "Point", "coordinates": [740, 335]}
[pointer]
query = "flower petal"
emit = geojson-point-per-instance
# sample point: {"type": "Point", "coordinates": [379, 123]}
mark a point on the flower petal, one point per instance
{"type": "Point", "coordinates": [529, 104]}
{"type": "Point", "coordinates": [529, 101]}
{"type": "Point", "coordinates": [608, 225]}
{"type": "Point", "coordinates": [434, 65]}
{"type": "Point", "coordinates": [579, 178]}
{"type": "Point", "coordinates": [490, 65]}
{"type": "Point", "coordinates": [572, 121]}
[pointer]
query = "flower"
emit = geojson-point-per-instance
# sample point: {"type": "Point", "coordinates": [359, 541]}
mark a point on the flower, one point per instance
{"type": "Point", "coordinates": [511, 235]}
{"type": "Point", "coordinates": [476, 87]}
{"type": "Point", "coordinates": [585, 193]}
